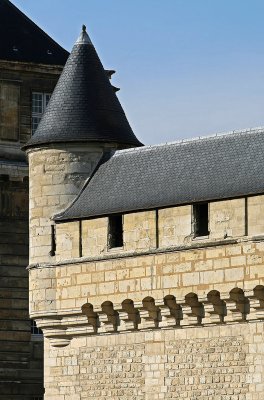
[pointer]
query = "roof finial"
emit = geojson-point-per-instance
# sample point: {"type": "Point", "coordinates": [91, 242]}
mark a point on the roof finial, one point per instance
{"type": "Point", "coordinates": [84, 38]}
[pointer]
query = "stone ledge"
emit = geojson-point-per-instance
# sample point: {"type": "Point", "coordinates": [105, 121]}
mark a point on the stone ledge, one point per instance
{"type": "Point", "coordinates": [213, 308]}
{"type": "Point", "coordinates": [124, 254]}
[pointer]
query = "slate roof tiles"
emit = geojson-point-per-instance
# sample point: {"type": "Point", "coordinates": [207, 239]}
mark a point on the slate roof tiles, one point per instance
{"type": "Point", "coordinates": [84, 106]}
{"type": "Point", "coordinates": [22, 40]}
{"type": "Point", "coordinates": [190, 171]}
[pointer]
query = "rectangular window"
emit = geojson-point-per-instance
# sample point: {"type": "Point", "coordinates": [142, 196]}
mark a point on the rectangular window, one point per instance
{"type": "Point", "coordinates": [39, 104]}
{"type": "Point", "coordinates": [9, 111]}
{"type": "Point", "coordinates": [34, 329]}
{"type": "Point", "coordinates": [200, 216]}
{"type": "Point", "coordinates": [115, 231]}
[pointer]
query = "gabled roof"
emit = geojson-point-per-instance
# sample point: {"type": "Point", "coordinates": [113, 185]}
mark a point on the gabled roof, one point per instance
{"type": "Point", "coordinates": [84, 106]}
{"type": "Point", "coordinates": [212, 168]}
{"type": "Point", "coordinates": [22, 40]}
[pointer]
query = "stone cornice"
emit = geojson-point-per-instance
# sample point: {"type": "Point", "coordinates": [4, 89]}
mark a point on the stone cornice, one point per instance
{"type": "Point", "coordinates": [213, 308]}
{"type": "Point", "coordinates": [30, 67]}
{"type": "Point", "coordinates": [14, 170]}
{"type": "Point", "coordinates": [195, 244]}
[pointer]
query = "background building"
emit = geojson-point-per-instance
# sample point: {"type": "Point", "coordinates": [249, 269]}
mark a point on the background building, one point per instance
{"type": "Point", "coordinates": [30, 64]}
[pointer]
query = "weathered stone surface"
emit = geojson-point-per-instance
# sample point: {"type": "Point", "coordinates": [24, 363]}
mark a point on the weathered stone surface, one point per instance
{"type": "Point", "coordinates": [216, 363]}
{"type": "Point", "coordinates": [180, 317]}
{"type": "Point", "coordinates": [21, 359]}
{"type": "Point", "coordinates": [71, 168]}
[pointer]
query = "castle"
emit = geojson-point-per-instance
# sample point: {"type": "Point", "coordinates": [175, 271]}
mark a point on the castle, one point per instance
{"type": "Point", "coordinates": [146, 262]}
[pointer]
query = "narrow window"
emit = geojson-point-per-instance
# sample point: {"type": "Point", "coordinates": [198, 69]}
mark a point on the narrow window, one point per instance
{"type": "Point", "coordinates": [39, 104]}
{"type": "Point", "coordinates": [53, 241]}
{"type": "Point", "coordinates": [200, 214]}
{"type": "Point", "coordinates": [80, 239]}
{"type": "Point", "coordinates": [115, 231]}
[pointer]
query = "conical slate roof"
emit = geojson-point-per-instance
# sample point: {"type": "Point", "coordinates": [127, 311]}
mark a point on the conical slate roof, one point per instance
{"type": "Point", "coordinates": [84, 106]}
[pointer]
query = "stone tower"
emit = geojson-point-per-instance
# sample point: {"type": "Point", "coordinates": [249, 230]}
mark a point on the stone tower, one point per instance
{"type": "Point", "coordinates": [84, 119]}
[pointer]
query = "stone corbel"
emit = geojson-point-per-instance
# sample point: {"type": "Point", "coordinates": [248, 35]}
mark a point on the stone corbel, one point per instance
{"type": "Point", "coordinates": [149, 314]}
{"type": "Point", "coordinates": [170, 311]}
{"type": "Point", "coordinates": [108, 318]}
{"type": "Point", "coordinates": [237, 306]}
{"type": "Point", "coordinates": [214, 308]}
{"type": "Point", "coordinates": [192, 310]}
{"type": "Point", "coordinates": [128, 316]}
{"type": "Point", "coordinates": [91, 315]}
{"type": "Point", "coordinates": [256, 303]}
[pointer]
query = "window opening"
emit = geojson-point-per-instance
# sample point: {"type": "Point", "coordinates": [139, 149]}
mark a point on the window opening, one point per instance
{"type": "Point", "coordinates": [80, 239]}
{"type": "Point", "coordinates": [246, 216]}
{"type": "Point", "coordinates": [53, 241]}
{"type": "Point", "coordinates": [39, 105]}
{"type": "Point", "coordinates": [34, 329]}
{"type": "Point", "coordinates": [200, 213]}
{"type": "Point", "coordinates": [115, 231]}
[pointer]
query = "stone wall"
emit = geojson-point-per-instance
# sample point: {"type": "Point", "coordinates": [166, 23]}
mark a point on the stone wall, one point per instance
{"type": "Point", "coordinates": [255, 215]}
{"type": "Point", "coordinates": [200, 270]}
{"type": "Point", "coordinates": [184, 323]}
{"type": "Point", "coordinates": [168, 227]}
{"type": "Point", "coordinates": [174, 225]}
{"type": "Point", "coordinates": [228, 218]}
{"type": "Point", "coordinates": [216, 363]}
{"type": "Point", "coordinates": [166, 316]}
{"type": "Point", "coordinates": [140, 231]}
{"type": "Point", "coordinates": [63, 171]}
{"type": "Point", "coordinates": [20, 359]}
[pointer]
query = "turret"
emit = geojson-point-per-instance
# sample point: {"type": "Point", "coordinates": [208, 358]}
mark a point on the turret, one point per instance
{"type": "Point", "coordinates": [83, 120]}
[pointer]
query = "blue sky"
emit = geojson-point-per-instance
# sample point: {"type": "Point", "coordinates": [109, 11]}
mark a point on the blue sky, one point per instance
{"type": "Point", "coordinates": [185, 67]}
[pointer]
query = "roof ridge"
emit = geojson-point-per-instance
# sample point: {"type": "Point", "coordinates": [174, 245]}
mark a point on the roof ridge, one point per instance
{"type": "Point", "coordinates": [235, 132]}
{"type": "Point", "coordinates": [33, 23]}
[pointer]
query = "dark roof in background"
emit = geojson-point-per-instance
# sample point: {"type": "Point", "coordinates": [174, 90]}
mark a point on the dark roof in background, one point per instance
{"type": "Point", "coordinates": [22, 40]}
{"type": "Point", "coordinates": [84, 106]}
{"type": "Point", "coordinates": [218, 167]}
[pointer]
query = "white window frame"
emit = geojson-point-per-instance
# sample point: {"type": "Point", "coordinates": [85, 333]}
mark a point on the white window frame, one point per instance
{"type": "Point", "coordinates": [38, 109]}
